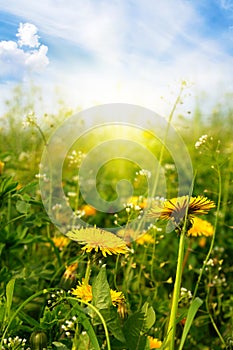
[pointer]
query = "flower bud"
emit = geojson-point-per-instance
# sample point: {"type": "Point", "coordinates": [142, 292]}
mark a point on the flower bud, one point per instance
{"type": "Point", "coordinates": [38, 340]}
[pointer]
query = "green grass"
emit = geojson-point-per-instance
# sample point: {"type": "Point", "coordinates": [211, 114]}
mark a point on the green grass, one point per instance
{"type": "Point", "coordinates": [34, 285]}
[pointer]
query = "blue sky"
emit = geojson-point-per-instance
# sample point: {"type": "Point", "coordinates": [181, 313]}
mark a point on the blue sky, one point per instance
{"type": "Point", "coordinates": [131, 51]}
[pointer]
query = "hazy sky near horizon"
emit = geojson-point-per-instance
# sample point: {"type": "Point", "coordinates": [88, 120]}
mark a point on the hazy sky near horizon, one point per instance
{"type": "Point", "coordinates": [133, 51]}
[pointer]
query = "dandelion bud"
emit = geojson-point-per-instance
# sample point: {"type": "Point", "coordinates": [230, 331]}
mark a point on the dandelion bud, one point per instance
{"type": "Point", "coordinates": [122, 310]}
{"type": "Point", "coordinates": [38, 340]}
{"type": "Point", "coordinates": [68, 279]}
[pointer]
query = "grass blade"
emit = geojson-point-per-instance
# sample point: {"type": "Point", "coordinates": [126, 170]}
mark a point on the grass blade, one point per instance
{"type": "Point", "coordinates": [190, 316]}
{"type": "Point", "coordinates": [9, 296]}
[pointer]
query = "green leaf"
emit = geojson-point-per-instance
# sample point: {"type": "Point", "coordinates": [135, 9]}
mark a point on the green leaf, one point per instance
{"type": "Point", "coordinates": [103, 302]}
{"type": "Point", "coordinates": [60, 346]}
{"type": "Point", "coordinates": [7, 186]}
{"type": "Point", "coordinates": [30, 320]}
{"type": "Point", "coordinates": [137, 326]}
{"type": "Point", "coordinates": [9, 296]}
{"type": "Point", "coordinates": [112, 320]}
{"type": "Point", "coordinates": [149, 316]}
{"type": "Point", "coordinates": [27, 187]}
{"type": "Point", "coordinates": [84, 342]}
{"type": "Point", "coordinates": [101, 291]}
{"type": "Point", "coordinates": [23, 207]}
{"type": "Point", "coordinates": [82, 318]}
{"type": "Point", "coordinates": [133, 331]}
{"type": "Point", "coordinates": [2, 246]}
{"type": "Point", "coordinates": [196, 303]}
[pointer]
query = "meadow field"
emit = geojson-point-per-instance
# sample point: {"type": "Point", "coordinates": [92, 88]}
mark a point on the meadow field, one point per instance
{"type": "Point", "coordinates": [138, 285]}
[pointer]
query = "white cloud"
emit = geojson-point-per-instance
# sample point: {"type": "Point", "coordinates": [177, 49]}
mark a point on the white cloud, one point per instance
{"type": "Point", "coordinates": [27, 34]}
{"type": "Point", "coordinates": [15, 61]}
{"type": "Point", "coordinates": [37, 60]}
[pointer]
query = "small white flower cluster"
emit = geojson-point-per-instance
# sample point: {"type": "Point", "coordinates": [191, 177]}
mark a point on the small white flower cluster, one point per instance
{"type": "Point", "coordinates": [72, 194]}
{"type": "Point", "coordinates": [169, 167]}
{"type": "Point", "coordinates": [76, 158]}
{"type": "Point", "coordinates": [210, 262]}
{"type": "Point", "coordinates": [185, 293]}
{"type": "Point", "coordinates": [29, 120]}
{"type": "Point", "coordinates": [219, 280]}
{"type": "Point", "coordinates": [54, 297]}
{"type": "Point", "coordinates": [131, 206]}
{"type": "Point", "coordinates": [152, 227]}
{"type": "Point", "coordinates": [201, 141]}
{"type": "Point", "coordinates": [69, 326]}
{"type": "Point", "coordinates": [80, 213]}
{"type": "Point", "coordinates": [14, 343]}
{"type": "Point", "coordinates": [144, 172]}
{"type": "Point", "coordinates": [42, 177]}
{"type": "Point", "coordinates": [116, 219]}
{"type": "Point", "coordinates": [57, 207]}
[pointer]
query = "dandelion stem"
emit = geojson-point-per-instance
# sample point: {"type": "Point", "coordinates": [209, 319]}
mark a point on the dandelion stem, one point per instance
{"type": "Point", "coordinates": [99, 315]}
{"type": "Point", "coordinates": [189, 249]}
{"type": "Point", "coordinates": [176, 293]}
{"type": "Point", "coordinates": [116, 268]}
{"type": "Point", "coordinates": [88, 272]}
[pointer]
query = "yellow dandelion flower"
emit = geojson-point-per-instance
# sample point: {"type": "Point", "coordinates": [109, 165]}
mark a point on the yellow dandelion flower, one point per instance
{"type": "Point", "coordinates": [146, 238]}
{"type": "Point", "coordinates": [60, 242]}
{"type": "Point", "coordinates": [83, 291]}
{"type": "Point", "coordinates": [154, 343]}
{"type": "Point", "coordinates": [175, 209]}
{"type": "Point", "coordinates": [200, 228]}
{"type": "Point", "coordinates": [117, 297]}
{"type": "Point", "coordinates": [96, 239]}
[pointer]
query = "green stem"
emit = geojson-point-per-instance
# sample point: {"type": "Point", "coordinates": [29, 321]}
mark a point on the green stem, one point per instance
{"type": "Point", "coordinates": [99, 315]}
{"type": "Point", "coordinates": [116, 269]}
{"type": "Point", "coordinates": [212, 320]}
{"type": "Point", "coordinates": [88, 272]}
{"type": "Point", "coordinates": [176, 294]}
{"type": "Point", "coordinates": [171, 332]}
{"type": "Point", "coordinates": [153, 257]}
{"type": "Point", "coordinates": [214, 233]}
{"type": "Point", "coordinates": [9, 212]}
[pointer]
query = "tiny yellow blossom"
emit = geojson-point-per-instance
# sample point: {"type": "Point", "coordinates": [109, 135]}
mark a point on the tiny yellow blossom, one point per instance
{"type": "Point", "coordinates": [154, 343]}
{"type": "Point", "coordinates": [146, 238]}
{"type": "Point", "coordinates": [89, 210]}
{"type": "Point", "coordinates": [60, 242]}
